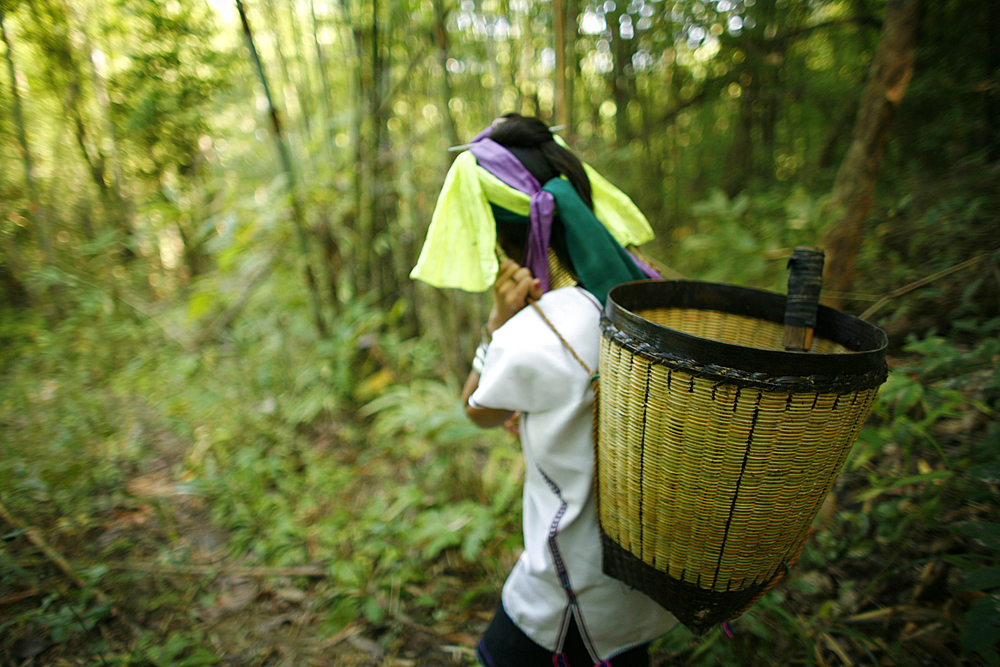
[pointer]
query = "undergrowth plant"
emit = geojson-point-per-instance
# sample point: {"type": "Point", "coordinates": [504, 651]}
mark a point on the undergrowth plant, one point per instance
{"type": "Point", "coordinates": [346, 454]}
{"type": "Point", "coordinates": [62, 615]}
{"type": "Point", "coordinates": [756, 235]}
{"type": "Point", "coordinates": [265, 429]}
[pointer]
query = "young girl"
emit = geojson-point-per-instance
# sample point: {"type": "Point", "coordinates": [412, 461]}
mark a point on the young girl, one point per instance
{"type": "Point", "coordinates": [520, 194]}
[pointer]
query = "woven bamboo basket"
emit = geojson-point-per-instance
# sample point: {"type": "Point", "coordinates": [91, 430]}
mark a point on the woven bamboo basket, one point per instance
{"type": "Point", "coordinates": [715, 447]}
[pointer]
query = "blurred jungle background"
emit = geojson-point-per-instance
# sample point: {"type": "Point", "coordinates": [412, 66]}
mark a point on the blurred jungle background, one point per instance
{"type": "Point", "coordinates": [230, 431]}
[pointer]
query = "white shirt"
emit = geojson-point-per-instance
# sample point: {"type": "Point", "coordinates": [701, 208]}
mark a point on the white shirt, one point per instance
{"type": "Point", "coordinates": [559, 573]}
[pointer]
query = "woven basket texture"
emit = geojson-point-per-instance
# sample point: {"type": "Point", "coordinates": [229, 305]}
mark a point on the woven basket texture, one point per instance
{"type": "Point", "coordinates": [731, 328]}
{"type": "Point", "coordinates": [707, 490]}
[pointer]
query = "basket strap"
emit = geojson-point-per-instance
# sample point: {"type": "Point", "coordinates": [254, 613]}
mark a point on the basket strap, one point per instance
{"type": "Point", "coordinates": [561, 339]}
{"type": "Point", "coordinates": [597, 399]}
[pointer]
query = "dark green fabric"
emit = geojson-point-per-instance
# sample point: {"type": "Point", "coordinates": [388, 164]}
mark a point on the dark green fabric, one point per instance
{"type": "Point", "coordinates": [599, 261]}
{"type": "Point", "coordinates": [503, 215]}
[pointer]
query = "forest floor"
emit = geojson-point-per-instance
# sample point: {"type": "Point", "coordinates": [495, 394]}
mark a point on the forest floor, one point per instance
{"type": "Point", "coordinates": [247, 615]}
{"type": "Point", "coordinates": [863, 597]}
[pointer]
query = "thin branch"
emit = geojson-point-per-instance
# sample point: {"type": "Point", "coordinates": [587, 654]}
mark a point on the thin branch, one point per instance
{"type": "Point", "coordinates": [406, 80]}
{"type": "Point", "coordinates": [35, 537]}
{"type": "Point", "coordinates": [920, 283]}
{"type": "Point", "coordinates": [314, 571]}
{"type": "Point", "coordinates": [669, 116]}
{"type": "Point", "coordinates": [763, 48]}
{"type": "Point", "coordinates": [172, 332]}
{"type": "Point", "coordinates": [236, 305]}
{"type": "Point", "coordinates": [861, 20]}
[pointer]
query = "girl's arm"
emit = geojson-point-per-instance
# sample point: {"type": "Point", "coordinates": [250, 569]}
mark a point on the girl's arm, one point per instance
{"type": "Point", "coordinates": [513, 287]}
{"type": "Point", "coordinates": [482, 417]}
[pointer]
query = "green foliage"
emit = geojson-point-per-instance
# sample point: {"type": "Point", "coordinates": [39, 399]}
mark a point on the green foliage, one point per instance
{"type": "Point", "coordinates": [260, 429]}
{"type": "Point", "coordinates": [60, 617]}
{"type": "Point", "coordinates": [746, 240]}
{"type": "Point", "coordinates": [55, 464]}
{"type": "Point", "coordinates": [383, 512]}
{"type": "Point", "coordinates": [474, 476]}
{"type": "Point", "coordinates": [180, 649]}
{"type": "Point", "coordinates": [929, 227]}
{"type": "Point", "coordinates": [980, 629]}
{"type": "Point", "coordinates": [946, 109]}
{"type": "Point", "coordinates": [981, 632]}
{"type": "Point", "coordinates": [160, 93]}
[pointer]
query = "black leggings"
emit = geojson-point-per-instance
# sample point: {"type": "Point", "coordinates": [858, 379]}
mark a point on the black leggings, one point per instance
{"type": "Point", "coordinates": [505, 645]}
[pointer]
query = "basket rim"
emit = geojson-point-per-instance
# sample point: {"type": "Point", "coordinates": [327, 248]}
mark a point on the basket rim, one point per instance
{"type": "Point", "coordinates": [866, 343]}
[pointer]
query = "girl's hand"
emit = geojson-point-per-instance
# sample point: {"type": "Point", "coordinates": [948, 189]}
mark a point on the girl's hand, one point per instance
{"type": "Point", "coordinates": [513, 287]}
{"type": "Point", "coordinates": [511, 291]}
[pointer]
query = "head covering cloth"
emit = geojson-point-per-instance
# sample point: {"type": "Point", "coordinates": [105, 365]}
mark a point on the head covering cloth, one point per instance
{"type": "Point", "coordinates": [460, 247]}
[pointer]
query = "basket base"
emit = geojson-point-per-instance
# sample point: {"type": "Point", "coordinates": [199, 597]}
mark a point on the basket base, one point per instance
{"type": "Point", "coordinates": [697, 608]}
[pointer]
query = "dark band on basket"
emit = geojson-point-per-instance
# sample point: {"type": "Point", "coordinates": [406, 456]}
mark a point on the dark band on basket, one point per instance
{"type": "Point", "coordinates": [824, 384]}
{"type": "Point", "coordinates": [767, 369]}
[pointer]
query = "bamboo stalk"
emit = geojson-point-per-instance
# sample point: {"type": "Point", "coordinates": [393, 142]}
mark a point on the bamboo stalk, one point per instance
{"type": "Point", "coordinates": [324, 83]}
{"type": "Point", "coordinates": [39, 223]}
{"type": "Point", "coordinates": [286, 163]}
{"type": "Point", "coordinates": [303, 80]}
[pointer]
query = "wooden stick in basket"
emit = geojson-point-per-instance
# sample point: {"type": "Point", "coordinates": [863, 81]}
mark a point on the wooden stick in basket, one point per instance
{"type": "Point", "coordinates": [804, 284]}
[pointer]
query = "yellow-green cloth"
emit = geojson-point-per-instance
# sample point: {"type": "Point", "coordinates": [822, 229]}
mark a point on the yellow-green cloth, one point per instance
{"type": "Point", "coordinates": [459, 251]}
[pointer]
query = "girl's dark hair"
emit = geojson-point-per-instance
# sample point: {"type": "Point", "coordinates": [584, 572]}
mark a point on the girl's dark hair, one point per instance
{"type": "Point", "coordinates": [530, 140]}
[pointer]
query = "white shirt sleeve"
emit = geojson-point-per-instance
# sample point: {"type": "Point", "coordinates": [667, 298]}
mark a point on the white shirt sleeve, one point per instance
{"type": "Point", "coordinates": [528, 368]}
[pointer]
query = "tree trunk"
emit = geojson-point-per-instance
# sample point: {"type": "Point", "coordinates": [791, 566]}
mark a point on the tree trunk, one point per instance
{"type": "Point", "coordinates": [621, 56]}
{"type": "Point", "coordinates": [288, 82]}
{"type": "Point", "coordinates": [67, 76]}
{"type": "Point", "coordinates": [124, 208]}
{"type": "Point", "coordinates": [441, 19]}
{"type": "Point", "coordinates": [386, 197]}
{"type": "Point", "coordinates": [38, 223]}
{"type": "Point", "coordinates": [559, 38]}
{"type": "Point", "coordinates": [324, 85]}
{"type": "Point", "coordinates": [298, 216]}
{"type": "Point", "coordinates": [854, 187]}
{"type": "Point", "coordinates": [332, 261]}
{"type": "Point", "coordinates": [303, 84]}
{"type": "Point", "coordinates": [375, 195]}
{"type": "Point", "coordinates": [739, 160]}
{"type": "Point", "coordinates": [572, 64]}
{"type": "Point", "coordinates": [565, 33]}
{"type": "Point", "coordinates": [364, 170]}
{"type": "Point", "coordinates": [493, 67]}
{"type": "Point", "coordinates": [992, 102]}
